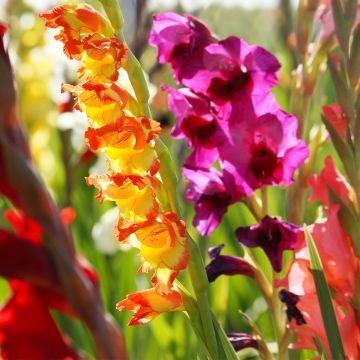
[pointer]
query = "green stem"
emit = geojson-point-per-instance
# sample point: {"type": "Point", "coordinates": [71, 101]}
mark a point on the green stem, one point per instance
{"type": "Point", "coordinates": [264, 201]}
{"type": "Point", "coordinates": [200, 285]}
{"type": "Point", "coordinates": [279, 323]}
{"type": "Point", "coordinates": [252, 203]}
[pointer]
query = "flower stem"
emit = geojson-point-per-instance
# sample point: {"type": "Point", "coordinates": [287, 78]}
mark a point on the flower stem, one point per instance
{"type": "Point", "coordinates": [264, 201]}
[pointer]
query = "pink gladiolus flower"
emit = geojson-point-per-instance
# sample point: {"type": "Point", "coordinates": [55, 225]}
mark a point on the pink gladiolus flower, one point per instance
{"type": "Point", "coordinates": [179, 40]}
{"type": "Point", "coordinates": [227, 114]}
{"type": "Point", "coordinates": [233, 70]}
{"type": "Point", "coordinates": [270, 151]}
{"type": "Point", "coordinates": [195, 122]}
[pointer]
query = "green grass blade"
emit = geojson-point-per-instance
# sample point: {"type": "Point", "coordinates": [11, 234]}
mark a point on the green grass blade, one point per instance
{"type": "Point", "coordinates": [326, 306]}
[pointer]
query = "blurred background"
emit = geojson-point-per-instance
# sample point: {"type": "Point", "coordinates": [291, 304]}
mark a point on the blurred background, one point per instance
{"type": "Point", "coordinates": [56, 136]}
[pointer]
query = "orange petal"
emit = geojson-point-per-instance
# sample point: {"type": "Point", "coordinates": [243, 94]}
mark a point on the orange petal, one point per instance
{"type": "Point", "coordinates": [76, 20]}
{"type": "Point", "coordinates": [147, 305]}
{"type": "Point", "coordinates": [103, 103]}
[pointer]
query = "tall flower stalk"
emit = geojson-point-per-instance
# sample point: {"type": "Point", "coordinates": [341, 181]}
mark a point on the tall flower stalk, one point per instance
{"type": "Point", "coordinates": [139, 167]}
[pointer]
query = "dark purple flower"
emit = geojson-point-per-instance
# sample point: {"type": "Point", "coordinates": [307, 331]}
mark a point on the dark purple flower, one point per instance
{"type": "Point", "coordinates": [272, 235]}
{"type": "Point", "coordinates": [292, 312]}
{"type": "Point", "coordinates": [231, 70]}
{"type": "Point", "coordinates": [196, 123]}
{"type": "Point", "coordinates": [270, 149]}
{"type": "Point", "coordinates": [242, 340]}
{"type": "Point", "coordinates": [211, 197]}
{"type": "Point", "coordinates": [226, 265]}
{"type": "Point", "coordinates": [179, 40]}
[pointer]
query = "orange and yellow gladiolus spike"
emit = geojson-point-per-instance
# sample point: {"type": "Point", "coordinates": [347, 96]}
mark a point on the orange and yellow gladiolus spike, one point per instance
{"type": "Point", "coordinates": [128, 140]}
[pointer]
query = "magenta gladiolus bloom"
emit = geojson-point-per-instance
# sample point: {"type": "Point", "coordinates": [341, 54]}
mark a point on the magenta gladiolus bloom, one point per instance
{"type": "Point", "coordinates": [228, 115]}
{"type": "Point", "coordinates": [196, 123]}
{"type": "Point", "coordinates": [272, 235]}
{"type": "Point", "coordinates": [233, 70]}
{"type": "Point", "coordinates": [179, 39]}
{"type": "Point", "coordinates": [210, 195]}
{"type": "Point", "coordinates": [270, 150]}
{"type": "Point", "coordinates": [226, 265]}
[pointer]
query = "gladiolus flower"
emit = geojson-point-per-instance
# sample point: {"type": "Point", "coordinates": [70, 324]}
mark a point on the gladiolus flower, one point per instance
{"type": "Point", "coordinates": [27, 329]}
{"type": "Point", "coordinates": [147, 305]}
{"type": "Point", "coordinates": [128, 140]}
{"type": "Point", "coordinates": [76, 20]}
{"type": "Point", "coordinates": [26, 319]}
{"type": "Point", "coordinates": [103, 103]}
{"type": "Point", "coordinates": [179, 40]}
{"type": "Point", "coordinates": [242, 341]}
{"type": "Point", "coordinates": [272, 235]}
{"type": "Point", "coordinates": [101, 58]}
{"type": "Point", "coordinates": [292, 312]}
{"type": "Point", "coordinates": [270, 151]}
{"type": "Point", "coordinates": [340, 273]}
{"type": "Point", "coordinates": [226, 265]}
{"type": "Point", "coordinates": [210, 195]}
{"type": "Point", "coordinates": [337, 117]}
{"type": "Point", "coordinates": [233, 70]}
{"type": "Point", "coordinates": [134, 195]}
{"type": "Point", "coordinates": [127, 144]}
{"type": "Point", "coordinates": [330, 177]}
{"type": "Point", "coordinates": [163, 246]}
{"type": "Point", "coordinates": [195, 122]}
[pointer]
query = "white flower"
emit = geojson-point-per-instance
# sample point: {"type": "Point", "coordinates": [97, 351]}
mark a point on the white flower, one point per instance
{"type": "Point", "coordinates": [103, 233]}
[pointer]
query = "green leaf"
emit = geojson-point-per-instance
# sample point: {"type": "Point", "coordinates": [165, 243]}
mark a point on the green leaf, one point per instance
{"type": "Point", "coordinates": [341, 88]}
{"type": "Point", "coordinates": [224, 341]}
{"type": "Point", "coordinates": [324, 297]}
